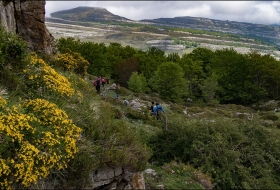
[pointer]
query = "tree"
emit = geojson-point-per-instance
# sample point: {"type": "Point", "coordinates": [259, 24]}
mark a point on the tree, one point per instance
{"type": "Point", "coordinates": [124, 69]}
{"type": "Point", "coordinates": [205, 55]}
{"type": "Point", "coordinates": [193, 73]}
{"type": "Point", "coordinates": [95, 54]}
{"type": "Point", "coordinates": [150, 60]}
{"type": "Point", "coordinates": [137, 83]}
{"type": "Point", "coordinates": [230, 67]}
{"type": "Point", "coordinates": [63, 44]}
{"type": "Point", "coordinates": [169, 82]}
{"type": "Point", "coordinates": [263, 75]}
{"type": "Point", "coordinates": [173, 57]}
{"type": "Point", "coordinates": [208, 88]}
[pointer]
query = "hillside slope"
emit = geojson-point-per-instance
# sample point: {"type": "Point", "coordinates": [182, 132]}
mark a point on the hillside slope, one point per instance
{"type": "Point", "coordinates": [88, 14]}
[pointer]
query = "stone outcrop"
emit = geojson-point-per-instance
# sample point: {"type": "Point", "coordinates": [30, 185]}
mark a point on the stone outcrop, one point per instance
{"type": "Point", "coordinates": [116, 178]}
{"type": "Point", "coordinates": [27, 19]}
{"type": "Point", "coordinates": [7, 17]}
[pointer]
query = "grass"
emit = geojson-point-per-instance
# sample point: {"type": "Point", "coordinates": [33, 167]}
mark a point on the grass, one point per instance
{"type": "Point", "coordinates": [175, 176]}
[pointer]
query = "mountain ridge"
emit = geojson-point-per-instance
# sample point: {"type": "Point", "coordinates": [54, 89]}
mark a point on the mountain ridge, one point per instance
{"type": "Point", "coordinates": [87, 14]}
{"type": "Point", "coordinates": [268, 33]}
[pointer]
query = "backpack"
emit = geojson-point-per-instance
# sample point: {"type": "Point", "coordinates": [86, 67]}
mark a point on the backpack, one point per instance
{"type": "Point", "coordinates": [159, 110]}
{"type": "Point", "coordinates": [125, 102]}
{"type": "Point", "coordinates": [95, 83]}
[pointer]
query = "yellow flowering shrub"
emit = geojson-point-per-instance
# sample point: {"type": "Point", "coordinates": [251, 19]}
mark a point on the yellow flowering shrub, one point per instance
{"type": "Point", "coordinates": [37, 137]}
{"type": "Point", "coordinates": [66, 61]}
{"type": "Point", "coordinates": [72, 61]}
{"type": "Point", "coordinates": [3, 97]}
{"type": "Point", "coordinates": [41, 76]}
{"type": "Point", "coordinates": [2, 102]}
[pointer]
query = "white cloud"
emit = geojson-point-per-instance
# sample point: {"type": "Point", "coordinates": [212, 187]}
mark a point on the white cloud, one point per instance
{"type": "Point", "coordinates": [262, 12]}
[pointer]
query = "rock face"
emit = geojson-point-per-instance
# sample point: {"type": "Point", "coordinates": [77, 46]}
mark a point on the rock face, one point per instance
{"type": "Point", "coordinates": [27, 19]}
{"type": "Point", "coordinates": [7, 17]}
{"type": "Point", "coordinates": [116, 178]}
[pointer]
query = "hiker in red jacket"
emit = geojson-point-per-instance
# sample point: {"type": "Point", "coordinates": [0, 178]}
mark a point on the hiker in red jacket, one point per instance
{"type": "Point", "coordinates": [96, 83]}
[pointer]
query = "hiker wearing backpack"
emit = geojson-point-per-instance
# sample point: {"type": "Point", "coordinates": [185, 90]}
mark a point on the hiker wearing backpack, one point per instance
{"type": "Point", "coordinates": [103, 81]}
{"type": "Point", "coordinates": [125, 102]}
{"type": "Point", "coordinates": [117, 97]}
{"type": "Point", "coordinates": [96, 83]}
{"type": "Point", "coordinates": [158, 110]}
{"type": "Point", "coordinates": [152, 109]}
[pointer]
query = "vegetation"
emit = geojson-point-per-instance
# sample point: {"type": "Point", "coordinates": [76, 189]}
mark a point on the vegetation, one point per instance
{"type": "Point", "coordinates": [137, 83]}
{"type": "Point", "coordinates": [241, 79]}
{"type": "Point", "coordinates": [237, 155]}
{"type": "Point", "coordinates": [54, 126]}
{"type": "Point", "coordinates": [49, 122]}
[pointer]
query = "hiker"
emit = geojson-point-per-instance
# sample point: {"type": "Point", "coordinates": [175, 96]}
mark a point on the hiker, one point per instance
{"type": "Point", "coordinates": [152, 109]}
{"type": "Point", "coordinates": [103, 81]}
{"type": "Point", "coordinates": [158, 110]}
{"type": "Point", "coordinates": [117, 97]}
{"type": "Point", "coordinates": [96, 83]}
{"type": "Point", "coordinates": [125, 102]}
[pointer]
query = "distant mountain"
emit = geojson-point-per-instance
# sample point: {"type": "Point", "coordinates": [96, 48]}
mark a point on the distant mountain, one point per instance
{"type": "Point", "coordinates": [88, 14]}
{"type": "Point", "coordinates": [269, 33]}
{"type": "Point", "coordinates": [265, 32]}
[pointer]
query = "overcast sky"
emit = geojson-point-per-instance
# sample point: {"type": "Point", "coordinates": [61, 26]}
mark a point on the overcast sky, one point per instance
{"type": "Point", "coordinates": [260, 12]}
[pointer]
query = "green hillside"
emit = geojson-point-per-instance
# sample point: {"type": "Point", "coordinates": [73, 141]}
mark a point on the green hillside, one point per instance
{"type": "Point", "coordinates": [169, 39]}
{"type": "Point", "coordinates": [220, 127]}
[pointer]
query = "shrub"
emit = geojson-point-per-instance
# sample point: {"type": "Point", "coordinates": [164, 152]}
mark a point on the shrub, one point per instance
{"type": "Point", "coordinates": [123, 91]}
{"type": "Point", "coordinates": [13, 53]}
{"type": "Point", "coordinates": [3, 97]}
{"type": "Point", "coordinates": [13, 49]}
{"type": "Point", "coordinates": [137, 83]}
{"type": "Point", "coordinates": [37, 138]}
{"type": "Point", "coordinates": [72, 61]}
{"type": "Point", "coordinates": [237, 155]}
{"type": "Point", "coordinates": [135, 114]}
{"type": "Point", "coordinates": [272, 117]}
{"type": "Point", "coordinates": [41, 78]}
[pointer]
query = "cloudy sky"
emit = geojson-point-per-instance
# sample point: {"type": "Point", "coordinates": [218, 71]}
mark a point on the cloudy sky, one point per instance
{"type": "Point", "coordinates": [260, 12]}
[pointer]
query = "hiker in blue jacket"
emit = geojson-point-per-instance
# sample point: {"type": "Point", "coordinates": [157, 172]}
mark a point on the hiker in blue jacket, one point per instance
{"type": "Point", "coordinates": [158, 110]}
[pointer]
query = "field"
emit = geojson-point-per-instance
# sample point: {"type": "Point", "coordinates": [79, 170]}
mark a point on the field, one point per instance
{"type": "Point", "coordinates": [145, 36]}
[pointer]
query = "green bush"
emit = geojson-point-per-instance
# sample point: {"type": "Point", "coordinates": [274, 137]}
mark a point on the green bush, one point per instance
{"type": "Point", "coordinates": [123, 91]}
{"type": "Point", "coordinates": [135, 114]}
{"type": "Point", "coordinates": [236, 154]}
{"type": "Point", "coordinates": [138, 83]}
{"type": "Point", "coordinates": [272, 117]}
{"type": "Point", "coordinates": [13, 58]}
{"type": "Point", "coordinates": [13, 49]}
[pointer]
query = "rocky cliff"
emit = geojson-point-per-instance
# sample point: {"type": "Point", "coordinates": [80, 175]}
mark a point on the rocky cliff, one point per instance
{"type": "Point", "coordinates": [27, 19]}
